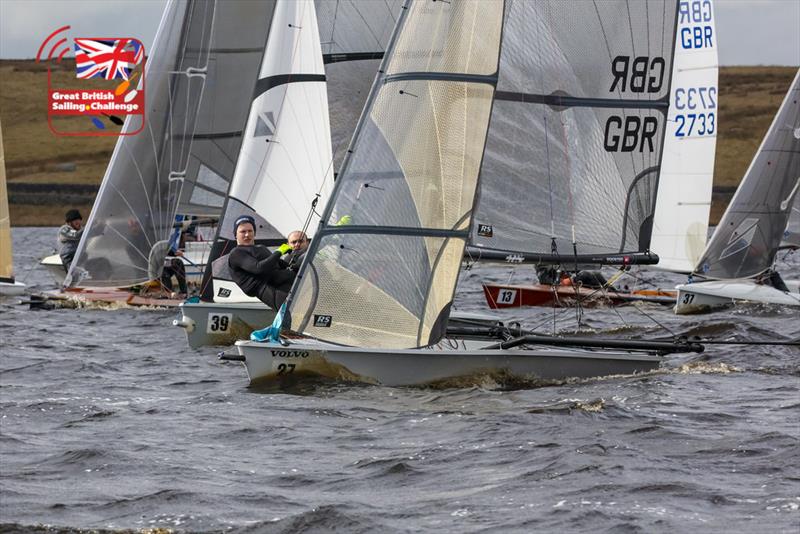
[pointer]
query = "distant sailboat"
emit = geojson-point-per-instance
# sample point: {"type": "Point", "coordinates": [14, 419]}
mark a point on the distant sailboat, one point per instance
{"type": "Point", "coordinates": [8, 285]}
{"type": "Point", "coordinates": [738, 259]}
{"type": "Point", "coordinates": [450, 104]}
{"type": "Point", "coordinates": [683, 199]}
{"type": "Point", "coordinates": [284, 173]}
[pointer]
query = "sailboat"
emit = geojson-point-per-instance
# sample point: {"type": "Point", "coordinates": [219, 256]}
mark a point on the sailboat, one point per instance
{"type": "Point", "coordinates": [199, 75]}
{"type": "Point", "coordinates": [738, 260]}
{"type": "Point", "coordinates": [285, 168]}
{"type": "Point", "coordinates": [8, 286]}
{"type": "Point", "coordinates": [454, 122]}
{"type": "Point", "coordinates": [683, 200]}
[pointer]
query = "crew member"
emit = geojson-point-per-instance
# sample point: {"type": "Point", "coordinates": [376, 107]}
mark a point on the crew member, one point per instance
{"type": "Point", "coordinates": [69, 235]}
{"type": "Point", "coordinates": [257, 271]}
{"type": "Point", "coordinates": [298, 240]}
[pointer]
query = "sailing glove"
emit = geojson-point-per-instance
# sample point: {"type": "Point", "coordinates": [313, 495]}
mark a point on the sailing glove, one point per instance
{"type": "Point", "coordinates": [283, 249]}
{"type": "Point", "coordinates": [345, 220]}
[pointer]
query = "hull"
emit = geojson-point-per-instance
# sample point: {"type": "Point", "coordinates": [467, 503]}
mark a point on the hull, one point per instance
{"type": "Point", "coordinates": [52, 264]}
{"type": "Point", "coordinates": [266, 362]}
{"type": "Point", "coordinates": [210, 323]}
{"type": "Point", "coordinates": [515, 296]}
{"type": "Point", "coordinates": [703, 297]}
{"type": "Point", "coordinates": [76, 298]}
{"type": "Point", "coordinates": [193, 262]}
{"type": "Point", "coordinates": [11, 289]}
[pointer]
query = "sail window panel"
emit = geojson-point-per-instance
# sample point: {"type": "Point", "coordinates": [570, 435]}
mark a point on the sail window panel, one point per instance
{"type": "Point", "coordinates": [416, 161]}
{"type": "Point", "coordinates": [379, 291]}
{"type": "Point", "coordinates": [452, 37]}
{"type": "Point", "coordinates": [546, 171]}
{"type": "Point", "coordinates": [573, 48]}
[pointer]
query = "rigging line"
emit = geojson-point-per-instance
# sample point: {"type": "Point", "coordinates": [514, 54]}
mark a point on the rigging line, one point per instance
{"type": "Point", "coordinates": [364, 20]}
{"type": "Point", "coordinates": [391, 13]}
{"type": "Point", "coordinates": [640, 310]}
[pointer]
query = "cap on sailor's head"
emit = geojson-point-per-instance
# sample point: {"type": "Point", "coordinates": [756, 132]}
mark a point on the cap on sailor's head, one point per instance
{"type": "Point", "coordinates": [72, 215]}
{"type": "Point", "coordinates": [244, 219]}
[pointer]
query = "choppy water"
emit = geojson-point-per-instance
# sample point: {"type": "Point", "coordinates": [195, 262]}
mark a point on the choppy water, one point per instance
{"type": "Point", "coordinates": [109, 421]}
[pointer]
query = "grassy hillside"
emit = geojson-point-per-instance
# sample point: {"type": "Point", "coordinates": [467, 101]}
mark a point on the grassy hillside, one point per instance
{"type": "Point", "coordinates": [749, 98]}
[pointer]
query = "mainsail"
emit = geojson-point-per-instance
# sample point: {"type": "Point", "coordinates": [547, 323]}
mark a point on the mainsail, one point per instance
{"type": "Point", "coordinates": [200, 75]}
{"type": "Point", "coordinates": [747, 238]}
{"type": "Point", "coordinates": [579, 90]}
{"type": "Point", "coordinates": [683, 203]}
{"type": "Point", "coordinates": [573, 152]}
{"type": "Point", "coordinates": [6, 262]}
{"type": "Point", "coordinates": [386, 257]}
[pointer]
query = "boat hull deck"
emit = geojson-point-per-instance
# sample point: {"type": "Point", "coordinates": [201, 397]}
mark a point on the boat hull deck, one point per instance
{"type": "Point", "coordinates": [421, 367]}
{"type": "Point", "coordinates": [215, 323]}
{"type": "Point", "coordinates": [515, 296]}
{"type": "Point", "coordinates": [702, 297]}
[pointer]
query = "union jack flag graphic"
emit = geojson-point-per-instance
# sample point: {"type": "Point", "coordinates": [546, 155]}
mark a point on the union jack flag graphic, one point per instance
{"type": "Point", "coordinates": [107, 58]}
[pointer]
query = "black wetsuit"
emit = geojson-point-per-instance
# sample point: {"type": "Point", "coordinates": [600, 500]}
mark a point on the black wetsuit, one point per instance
{"type": "Point", "coordinates": [261, 274]}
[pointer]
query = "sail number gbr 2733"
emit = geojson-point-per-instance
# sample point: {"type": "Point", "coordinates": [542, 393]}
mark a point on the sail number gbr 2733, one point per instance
{"type": "Point", "coordinates": [641, 74]}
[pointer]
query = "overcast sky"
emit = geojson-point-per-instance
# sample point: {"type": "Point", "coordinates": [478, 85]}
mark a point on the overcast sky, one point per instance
{"type": "Point", "coordinates": [749, 32]}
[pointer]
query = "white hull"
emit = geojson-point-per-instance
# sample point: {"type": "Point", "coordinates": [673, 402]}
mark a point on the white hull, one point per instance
{"type": "Point", "coordinates": [193, 261]}
{"type": "Point", "coordinates": [702, 297]}
{"type": "Point", "coordinates": [267, 362]}
{"type": "Point", "coordinates": [10, 289]}
{"type": "Point", "coordinates": [214, 323]}
{"type": "Point", "coordinates": [53, 265]}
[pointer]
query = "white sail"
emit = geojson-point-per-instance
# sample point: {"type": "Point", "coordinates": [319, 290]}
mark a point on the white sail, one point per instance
{"type": "Point", "coordinates": [747, 238]}
{"type": "Point", "coordinates": [683, 202]}
{"type": "Point", "coordinates": [285, 160]}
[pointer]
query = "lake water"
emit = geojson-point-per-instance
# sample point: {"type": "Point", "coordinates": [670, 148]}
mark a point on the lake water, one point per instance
{"type": "Point", "coordinates": [109, 421]}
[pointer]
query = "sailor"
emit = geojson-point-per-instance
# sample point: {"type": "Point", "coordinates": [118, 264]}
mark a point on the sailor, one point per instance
{"type": "Point", "coordinates": [257, 271]}
{"type": "Point", "coordinates": [298, 240]}
{"type": "Point", "coordinates": [69, 235]}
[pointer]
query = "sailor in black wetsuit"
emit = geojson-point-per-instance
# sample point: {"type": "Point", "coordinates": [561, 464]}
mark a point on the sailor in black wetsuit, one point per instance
{"type": "Point", "coordinates": [257, 271]}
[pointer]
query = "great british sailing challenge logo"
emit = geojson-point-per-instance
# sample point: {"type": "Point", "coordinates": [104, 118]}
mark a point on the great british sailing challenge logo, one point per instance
{"type": "Point", "coordinates": [107, 85]}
